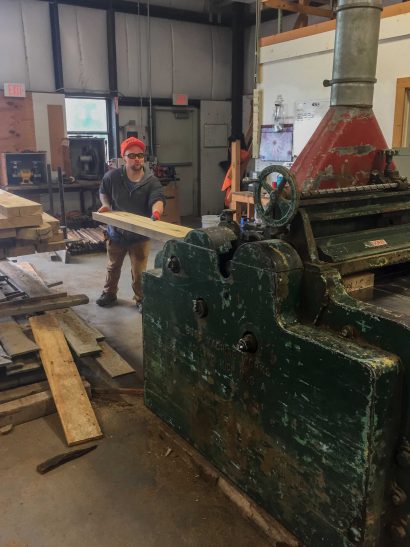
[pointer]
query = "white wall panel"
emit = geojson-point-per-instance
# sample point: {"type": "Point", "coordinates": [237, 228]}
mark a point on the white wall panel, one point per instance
{"type": "Point", "coordinates": [300, 77]}
{"type": "Point", "coordinates": [132, 42]}
{"type": "Point", "coordinates": [84, 48]}
{"type": "Point", "coordinates": [161, 58]}
{"type": "Point", "coordinates": [25, 43]}
{"type": "Point", "coordinates": [222, 63]}
{"type": "Point", "coordinates": [185, 58]}
{"type": "Point", "coordinates": [192, 59]}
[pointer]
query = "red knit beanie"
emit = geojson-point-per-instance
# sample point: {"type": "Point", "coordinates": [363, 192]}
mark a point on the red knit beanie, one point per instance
{"type": "Point", "coordinates": [131, 141]}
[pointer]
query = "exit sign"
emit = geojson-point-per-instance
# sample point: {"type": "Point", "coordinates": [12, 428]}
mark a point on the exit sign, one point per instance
{"type": "Point", "coordinates": [179, 99]}
{"type": "Point", "coordinates": [14, 90]}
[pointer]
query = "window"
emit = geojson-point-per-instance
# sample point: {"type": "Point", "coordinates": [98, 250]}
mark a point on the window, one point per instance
{"type": "Point", "coordinates": [87, 130]}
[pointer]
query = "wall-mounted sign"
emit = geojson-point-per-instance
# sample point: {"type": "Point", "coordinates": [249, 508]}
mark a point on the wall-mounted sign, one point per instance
{"type": "Point", "coordinates": [14, 90]}
{"type": "Point", "coordinates": [180, 99]}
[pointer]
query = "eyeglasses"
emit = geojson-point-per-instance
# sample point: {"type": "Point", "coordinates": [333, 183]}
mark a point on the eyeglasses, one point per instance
{"type": "Point", "coordinates": [132, 156]}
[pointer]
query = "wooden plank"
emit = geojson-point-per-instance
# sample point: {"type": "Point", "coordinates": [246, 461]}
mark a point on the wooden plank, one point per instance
{"type": "Point", "coordinates": [35, 233]}
{"type": "Point", "coordinates": [74, 408]}
{"type": "Point", "coordinates": [25, 409]}
{"type": "Point", "coordinates": [80, 338]}
{"type": "Point", "coordinates": [25, 281]}
{"type": "Point", "coordinates": [23, 365]}
{"type": "Point", "coordinates": [402, 86]}
{"type": "Point", "coordinates": [23, 391]}
{"type": "Point", "coordinates": [69, 315]}
{"type": "Point", "coordinates": [162, 231]}
{"type": "Point", "coordinates": [57, 134]}
{"type": "Point", "coordinates": [53, 222]}
{"type": "Point", "coordinates": [14, 341]}
{"type": "Point", "coordinates": [388, 11]}
{"type": "Point", "coordinates": [298, 8]}
{"type": "Point", "coordinates": [7, 233]}
{"type": "Point", "coordinates": [19, 250]}
{"type": "Point", "coordinates": [17, 206]}
{"type": "Point", "coordinates": [20, 222]}
{"type": "Point", "coordinates": [236, 166]}
{"type": "Point", "coordinates": [4, 358]}
{"type": "Point", "coordinates": [20, 308]}
{"type": "Point", "coordinates": [112, 362]}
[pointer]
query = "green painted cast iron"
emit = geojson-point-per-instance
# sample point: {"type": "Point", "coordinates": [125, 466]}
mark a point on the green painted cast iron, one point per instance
{"type": "Point", "coordinates": [293, 387]}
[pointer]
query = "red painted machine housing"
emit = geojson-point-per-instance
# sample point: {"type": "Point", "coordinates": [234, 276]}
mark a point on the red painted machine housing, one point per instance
{"type": "Point", "coordinates": [343, 151]}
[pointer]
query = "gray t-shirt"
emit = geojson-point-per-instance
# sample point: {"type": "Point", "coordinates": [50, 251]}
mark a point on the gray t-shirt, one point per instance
{"type": "Point", "coordinates": [132, 197]}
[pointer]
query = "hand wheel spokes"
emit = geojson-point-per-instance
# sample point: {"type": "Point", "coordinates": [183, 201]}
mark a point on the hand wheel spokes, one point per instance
{"type": "Point", "coordinates": [283, 200]}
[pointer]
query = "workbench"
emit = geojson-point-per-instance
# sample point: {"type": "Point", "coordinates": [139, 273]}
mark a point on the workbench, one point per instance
{"type": "Point", "coordinates": [81, 187]}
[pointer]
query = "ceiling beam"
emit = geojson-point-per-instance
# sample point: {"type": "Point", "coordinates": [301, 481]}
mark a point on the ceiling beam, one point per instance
{"type": "Point", "coordinates": [298, 8]}
{"type": "Point", "coordinates": [124, 6]}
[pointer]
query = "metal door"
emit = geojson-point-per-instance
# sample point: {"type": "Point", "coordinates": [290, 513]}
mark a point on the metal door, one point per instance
{"type": "Point", "coordinates": [176, 143]}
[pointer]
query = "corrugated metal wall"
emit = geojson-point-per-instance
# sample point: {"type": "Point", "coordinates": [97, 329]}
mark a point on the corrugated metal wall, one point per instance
{"type": "Point", "coordinates": [25, 44]}
{"type": "Point", "coordinates": [185, 57]}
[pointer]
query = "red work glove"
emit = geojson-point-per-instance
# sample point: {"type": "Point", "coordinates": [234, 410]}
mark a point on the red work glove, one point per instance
{"type": "Point", "coordinates": [104, 209]}
{"type": "Point", "coordinates": [155, 215]}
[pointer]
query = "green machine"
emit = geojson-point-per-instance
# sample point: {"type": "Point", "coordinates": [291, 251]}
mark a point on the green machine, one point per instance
{"type": "Point", "coordinates": [281, 351]}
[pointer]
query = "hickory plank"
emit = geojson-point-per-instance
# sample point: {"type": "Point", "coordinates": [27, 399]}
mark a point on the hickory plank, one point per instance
{"type": "Point", "coordinates": [73, 406]}
{"type": "Point", "coordinates": [79, 336]}
{"type": "Point", "coordinates": [30, 407]}
{"type": "Point", "coordinates": [17, 206]}
{"type": "Point", "coordinates": [112, 362]}
{"type": "Point", "coordinates": [19, 222]}
{"type": "Point", "coordinates": [162, 231]}
{"type": "Point", "coordinates": [14, 341]}
{"type": "Point", "coordinates": [53, 303]}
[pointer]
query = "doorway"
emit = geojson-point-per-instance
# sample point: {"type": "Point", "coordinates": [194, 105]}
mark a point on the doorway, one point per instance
{"type": "Point", "coordinates": [176, 144]}
{"type": "Point", "coordinates": [401, 127]}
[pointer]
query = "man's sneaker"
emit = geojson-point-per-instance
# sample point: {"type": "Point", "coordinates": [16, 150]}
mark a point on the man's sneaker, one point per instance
{"type": "Point", "coordinates": [106, 300]}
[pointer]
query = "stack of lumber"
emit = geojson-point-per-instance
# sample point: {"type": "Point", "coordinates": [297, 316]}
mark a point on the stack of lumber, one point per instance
{"type": "Point", "coordinates": [25, 228]}
{"type": "Point", "coordinates": [47, 347]}
{"type": "Point", "coordinates": [23, 291]}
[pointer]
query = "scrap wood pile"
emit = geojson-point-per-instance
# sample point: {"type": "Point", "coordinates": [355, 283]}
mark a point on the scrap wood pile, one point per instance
{"type": "Point", "coordinates": [39, 357]}
{"type": "Point", "coordinates": [25, 228]}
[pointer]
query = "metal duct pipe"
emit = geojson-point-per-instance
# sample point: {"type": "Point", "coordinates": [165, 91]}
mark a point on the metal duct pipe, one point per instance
{"type": "Point", "coordinates": [355, 54]}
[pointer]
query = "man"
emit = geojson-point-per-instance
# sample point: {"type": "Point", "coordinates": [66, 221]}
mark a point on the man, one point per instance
{"type": "Point", "coordinates": [130, 189]}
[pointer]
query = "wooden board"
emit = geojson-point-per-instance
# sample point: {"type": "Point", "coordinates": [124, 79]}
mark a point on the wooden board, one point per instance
{"type": "Point", "coordinates": [43, 232]}
{"type": "Point", "coordinates": [70, 315]}
{"type": "Point", "coordinates": [6, 233]}
{"type": "Point", "coordinates": [20, 222]}
{"type": "Point", "coordinates": [14, 341]}
{"type": "Point", "coordinates": [4, 358]}
{"type": "Point", "coordinates": [25, 281]}
{"type": "Point", "coordinates": [57, 134]}
{"type": "Point", "coordinates": [74, 408]}
{"type": "Point", "coordinates": [17, 206]}
{"type": "Point", "coordinates": [23, 391]}
{"type": "Point", "coordinates": [17, 125]}
{"type": "Point", "coordinates": [25, 409]}
{"type": "Point", "coordinates": [162, 231]}
{"type": "Point", "coordinates": [53, 222]}
{"type": "Point", "coordinates": [79, 336]}
{"type": "Point", "coordinates": [112, 362]}
{"type": "Point", "coordinates": [20, 308]}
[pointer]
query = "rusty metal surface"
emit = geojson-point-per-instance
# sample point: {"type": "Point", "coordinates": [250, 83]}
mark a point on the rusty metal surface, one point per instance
{"type": "Point", "coordinates": [343, 151]}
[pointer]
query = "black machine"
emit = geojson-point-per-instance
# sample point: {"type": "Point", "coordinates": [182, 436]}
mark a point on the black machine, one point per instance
{"type": "Point", "coordinates": [24, 167]}
{"type": "Point", "coordinates": [87, 157]}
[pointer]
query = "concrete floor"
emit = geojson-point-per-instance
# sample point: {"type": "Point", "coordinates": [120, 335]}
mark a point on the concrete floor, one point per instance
{"type": "Point", "coordinates": [127, 492]}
